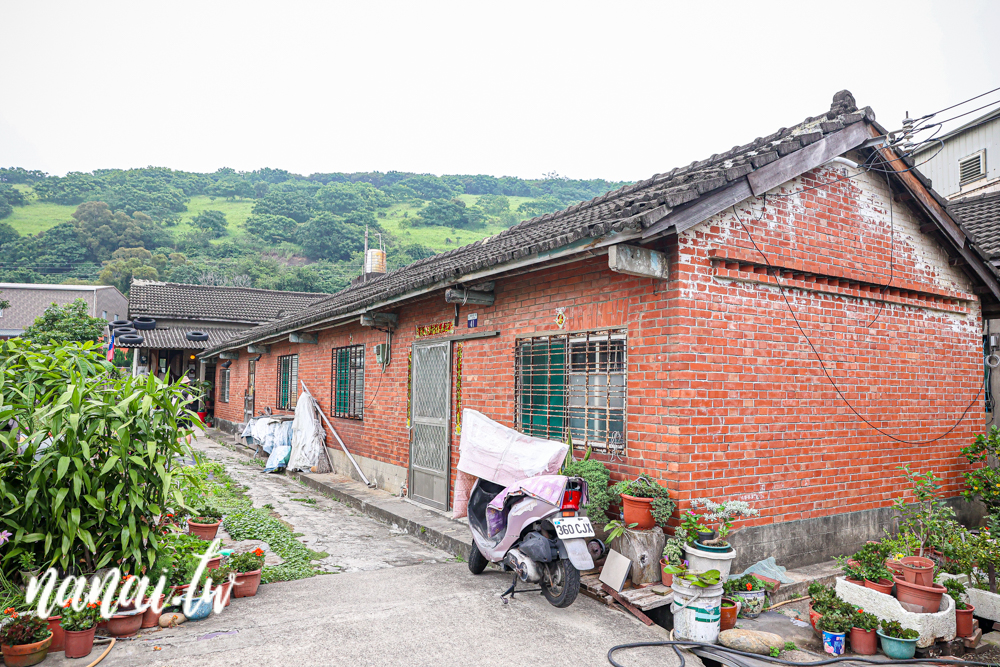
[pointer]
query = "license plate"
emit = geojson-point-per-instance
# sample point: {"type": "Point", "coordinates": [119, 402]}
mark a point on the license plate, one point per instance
{"type": "Point", "coordinates": [573, 527]}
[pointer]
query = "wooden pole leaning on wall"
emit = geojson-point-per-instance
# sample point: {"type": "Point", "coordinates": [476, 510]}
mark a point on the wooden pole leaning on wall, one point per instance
{"type": "Point", "coordinates": [337, 436]}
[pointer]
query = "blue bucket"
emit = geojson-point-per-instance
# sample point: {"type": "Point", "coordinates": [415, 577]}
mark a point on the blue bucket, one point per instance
{"type": "Point", "coordinates": [833, 642]}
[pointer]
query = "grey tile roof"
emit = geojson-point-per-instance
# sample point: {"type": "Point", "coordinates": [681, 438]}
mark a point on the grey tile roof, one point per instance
{"type": "Point", "coordinates": [175, 338]}
{"type": "Point", "coordinates": [980, 216]}
{"type": "Point", "coordinates": [221, 304]}
{"type": "Point", "coordinates": [630, 208]}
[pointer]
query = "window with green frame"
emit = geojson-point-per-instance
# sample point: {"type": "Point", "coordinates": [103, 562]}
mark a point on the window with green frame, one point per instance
{"type": "Point", "coordinates": [288, 381]}
{"type": "Point", "coordinates": [348, 382]}
{"type": "Point", "coordinates": [574, 384]}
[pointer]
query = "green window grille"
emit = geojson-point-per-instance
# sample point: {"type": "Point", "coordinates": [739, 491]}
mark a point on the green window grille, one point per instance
{"type": "Point", "coordinates": [348, 382]}
{"type": "Point", "coordinates": [288, 381]}
{"type": "Point", "coordinates": [574, 383]}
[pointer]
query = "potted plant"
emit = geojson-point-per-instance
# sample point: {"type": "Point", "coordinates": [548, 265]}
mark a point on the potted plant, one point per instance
{"type": "Point", "coordinates": [27, 567]}
{"type": "Point", "coordinates": [963, 611]}
{"type": "Point", "coordinates": [928, 519]}
{"type": "Point", "coordinates": [863, 639]}
{"type": "Point", "coordinates": [851, 570]}
{"type": "Point", "coordinates": [644, 502]}
{"type": "Point", "coordinates": [749, 591]}
{"type": "Point", "coordinates": [834, 626]}
{"type": "Point", "coordinates": [220, 579]}
{"type": "Point", "coordinates": [721, 515]}
{"type": "Point", "coordinates": [247, 566]}
{"type": "Point", "coordinates": [730, 611]}
{"type": "Point", "coordinates": [673, 554]}
{"type": "Point", "coordinates": [24, 639]}
{"type": "Point", "coordinates": [79, 627]}
{"type": "Point", "coordinates": [898, 643]}
{"type": "Point", "coordinates": [205, 525]}
{"type": "Point", "coordinates": [824, 600]}
{"type": "Point", "coordinates": [927, 597]}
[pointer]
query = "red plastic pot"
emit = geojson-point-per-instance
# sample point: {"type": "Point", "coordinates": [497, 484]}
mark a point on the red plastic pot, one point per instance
{"type": "Point", "coordinates": [927, 597]}
{"type": "Point", "coordinates": [205, 531]}
{"type": "Point", "coordinates": [963, 621]}
{"type": "Point", "coordinates": [246, 584]}
{"type": "Point", "coordinates": [666, 579]}
{"type": "Point", "coordinates": [58, 636]}
{"type": "Point", "coordinates": [918, 570]}
{"type": "Point", "coordinates": [864, 642]}
{"type": "Point", "coordinates": [814, 617]}
{"type": "Point", "coordinates": [121, 625]}
{"type": "Point", "coordinates": [25, 655]}
{"type": "Point", "coordinates": [638, 510]}
{"type": "Point", "coordinates": [79, 643]}
{"type": "Point", "coordinates": [882, 586]}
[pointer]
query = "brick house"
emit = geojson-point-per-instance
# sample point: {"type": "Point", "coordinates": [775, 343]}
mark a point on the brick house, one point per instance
{"type": "Point", "coordinates": [29, 300]}
{"type": "Point", "coordinates": [647, 324]}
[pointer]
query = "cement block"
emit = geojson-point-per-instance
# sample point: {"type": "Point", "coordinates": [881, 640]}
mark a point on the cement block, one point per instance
{"type": "Point", "coordinates": [992, 638]}
{"type": "Point", "coordinates": [930, 626]}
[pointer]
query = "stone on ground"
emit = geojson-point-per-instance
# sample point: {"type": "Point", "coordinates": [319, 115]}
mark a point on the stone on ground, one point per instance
{"type": "Point", "coordinates": [992, 638]}
{"type": "Point", "coordinates": [171, 620]}
{"type": "Point", "coordinates": [751, 641]}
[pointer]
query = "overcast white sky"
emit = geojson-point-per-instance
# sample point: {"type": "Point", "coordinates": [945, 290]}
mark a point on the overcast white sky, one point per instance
{"type": "Point", "coordinates": [615, 90]}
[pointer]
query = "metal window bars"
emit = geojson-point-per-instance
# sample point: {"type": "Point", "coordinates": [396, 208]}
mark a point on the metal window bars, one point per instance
{"type": "Point", "coordinates": [223, 391]}
{"type": "Point", "coordinates": [574, 384]}
{"type": "Point", "coordinates": [288, 381]}
{"type": "Point", "coordinates": [347, 386]}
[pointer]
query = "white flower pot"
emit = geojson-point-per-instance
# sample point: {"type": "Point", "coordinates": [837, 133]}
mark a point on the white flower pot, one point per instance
{"type": "Point", "coordinates": [703, 561]}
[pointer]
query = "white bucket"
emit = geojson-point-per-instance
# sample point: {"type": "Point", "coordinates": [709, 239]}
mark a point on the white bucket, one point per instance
{"type": "Point", "coordinates": [700, 560]}
{"type": "Point", "coordinates": [697, 612]}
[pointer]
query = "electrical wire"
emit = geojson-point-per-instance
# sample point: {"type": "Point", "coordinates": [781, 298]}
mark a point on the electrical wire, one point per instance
{"type": "Point", "coordinates": [833, 383]}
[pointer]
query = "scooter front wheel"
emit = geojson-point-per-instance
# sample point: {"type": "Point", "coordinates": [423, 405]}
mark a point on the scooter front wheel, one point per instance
{"type": "Point", "coordinates": [477, 561]}
{"type": "Point", "coordinates": [565, 584]}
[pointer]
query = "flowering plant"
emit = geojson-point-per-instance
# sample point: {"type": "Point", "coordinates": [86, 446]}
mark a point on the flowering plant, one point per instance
{"type": "Point", "coordinates": [22, 629]}
{"type": "Point", "coordinates": [865, 621]}
{"type": "Point", "coordinates": [723, 515]}
{"type": "Point", "coordinates": [77, 621]}
{"type": "Point", "coordinates": [248, 561]}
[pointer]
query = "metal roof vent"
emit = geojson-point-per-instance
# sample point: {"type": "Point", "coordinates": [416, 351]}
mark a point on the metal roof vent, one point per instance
{"type": "Point", "coordinates": [972, 168]}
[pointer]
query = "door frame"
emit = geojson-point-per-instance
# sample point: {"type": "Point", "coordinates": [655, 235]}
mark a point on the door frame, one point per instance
{"type": "Point", "coordinates": [249, 394]}
{"type": "Point", "coordinates": [446, 424]}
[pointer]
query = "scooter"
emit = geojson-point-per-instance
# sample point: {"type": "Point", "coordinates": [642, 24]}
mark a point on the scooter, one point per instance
{"type": "Point", "coordinates": [534, 528]}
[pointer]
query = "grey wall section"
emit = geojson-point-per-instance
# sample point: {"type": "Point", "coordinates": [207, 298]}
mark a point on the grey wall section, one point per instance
{"type": "Point", "coordinates": [940, 163]}
{"type": "Point", "coordinates": [808, 541]}
{"type": "Point", "coordinates": [113, 302]}
{"type": "Point", "coordinates": [227, 426]}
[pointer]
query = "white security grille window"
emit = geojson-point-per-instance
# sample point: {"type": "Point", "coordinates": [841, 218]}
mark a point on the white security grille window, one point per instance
{"type": "Point", "coordinates": [972, 168]}
{"type": "Point", "coordinates": [348, 386]}
{"type": "Point", "coordinates": [288, 381]}
{"type": "Point", "coordinates": [223, 392]}
{"type": "Point", "coordinates": [574, 384]}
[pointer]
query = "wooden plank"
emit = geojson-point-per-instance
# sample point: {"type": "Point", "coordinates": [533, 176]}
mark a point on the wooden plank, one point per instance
{"type": "Point", "coordinates": [702, 208]}
{"type": "Point", "coordinates": [628, 605]}
{"type": "Point", "coordinates": [797, 163]}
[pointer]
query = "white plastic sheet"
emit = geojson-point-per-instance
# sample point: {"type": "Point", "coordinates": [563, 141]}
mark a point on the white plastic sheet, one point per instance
{"type": "Point", "coordinates": [308, 437]}
{"type": "Point", "coordinates": [501, 455]}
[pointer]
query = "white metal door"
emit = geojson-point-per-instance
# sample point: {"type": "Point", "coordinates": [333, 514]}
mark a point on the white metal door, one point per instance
{"type": "Point", "coordinates": [430, 444]}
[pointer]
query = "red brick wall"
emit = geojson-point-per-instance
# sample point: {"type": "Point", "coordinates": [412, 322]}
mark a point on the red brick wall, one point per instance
{"type": "Point", "coordinates": [724, 396]}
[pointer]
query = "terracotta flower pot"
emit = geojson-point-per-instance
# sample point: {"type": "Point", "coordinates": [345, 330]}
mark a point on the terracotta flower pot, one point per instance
{"type": "Point", "coordinates": [666, 579]}
{"type": "Point", "coordinates": [927, 597]}
{"type": "Point", "coordinates": [24, 655]}
{"type": "Point", "coordinates": [205, 531]}
{"type": "Point", "coordinates": [151, 617]}
{"type": "Point", "coordinates": [882, 586]}
{"type": "Point", "coordinates": [730, 611]}
{"type": "Point", "coordinates": [246, 584]}
{"type": "Point", "coordinates": [918, 570]}
{"type": "Point", "coordinates": [214, 563]}
{"type": "Point", "coordinates": [864, 642]}
{"type": "Point", "coordinates": [227, 593]}
{"type": "Point", "coordinates": [80, 643]}
{"type": "Point", "coordinates": [58, 636]}
{"type": "Point", "coordinates": [121, 625]}
{"type": "Point", "coordinates": [814, 617]}
{"type": "Point", "coordinates": [963, 621]}
{"type": "Point", "coordinates": [894, 567]}
{"type": "Point", "coordinates": [638, 510]}
{"type": "Point", "coordinates": [856, 582]}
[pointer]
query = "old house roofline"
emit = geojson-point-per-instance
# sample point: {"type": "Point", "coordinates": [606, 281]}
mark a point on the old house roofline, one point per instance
{"type": "Point", "coordinates": [664, 204]}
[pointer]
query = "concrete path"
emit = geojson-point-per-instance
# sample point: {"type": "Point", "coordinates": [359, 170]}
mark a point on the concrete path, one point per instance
{"type": "Point", "coordinates": [393, 600]}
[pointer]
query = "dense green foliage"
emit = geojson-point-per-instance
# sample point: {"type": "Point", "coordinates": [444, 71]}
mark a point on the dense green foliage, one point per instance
{"type": "Point", "coordinates": [598, 478]}
{"type": "Point", "coordinates": [267, 228]}
{"type": "Point", "coordinates": [65, 324]}
{"type": "Point", "coordinates": [96, 466]}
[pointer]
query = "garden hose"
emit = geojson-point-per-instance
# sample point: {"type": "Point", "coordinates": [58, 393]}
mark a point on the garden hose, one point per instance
{"type": "Point", "coordinates": [677, 645]}
{"type": "Point", "coordinates": [106, 651]}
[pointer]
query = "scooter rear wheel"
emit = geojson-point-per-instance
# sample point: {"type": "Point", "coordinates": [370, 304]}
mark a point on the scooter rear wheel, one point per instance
{"type": "Point", "coordinates": [565, 583]}
{"type": "Point", "coordinates": [477, 561]}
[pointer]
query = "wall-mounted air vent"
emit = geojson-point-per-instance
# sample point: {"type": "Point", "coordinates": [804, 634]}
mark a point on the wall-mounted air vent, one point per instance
{"type": "Point", "coordinates": [972, 168]}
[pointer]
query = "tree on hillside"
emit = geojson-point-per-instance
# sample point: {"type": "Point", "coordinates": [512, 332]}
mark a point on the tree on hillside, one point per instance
{"type": "Point", "coordinates": [102, 231]}
{"type": "Point", "coordinates": [539, 207]}
{"type": "Point", "coordinates": [493, 205]}
{"type": "Point", "coordinates": [294, 205]}
{"type": "Point", "coordinates": [7, 233]}
{"type": "Point", "coordinates": [212, 223]}
{"type": "Point", "coordinates": [344, 198]}
{"type": "Point", "coordinates": [129, 263]}
{"type": "Point", "coordinates": [453, 213]}
{"type": "Point", "coordinates": [65, 324]}
{"type": "Point", "coordinates": [230, 188]}
{"type": "Point", "coordinates": [428, 187]}
{"type": "Point", "coordinates": [327, 236]}
{"type": "Point", "coordinates": [55, 250]}
{"type": "Point", "coordinates": [272, 228]}
{"type": "Point", "coordinates": [13, 196]}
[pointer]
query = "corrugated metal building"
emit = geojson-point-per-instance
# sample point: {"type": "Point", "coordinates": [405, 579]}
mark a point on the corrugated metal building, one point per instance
{"type": "Point", "coordinates": [965, 161]}
{"type": "Point", "coordinates": [29, 300]}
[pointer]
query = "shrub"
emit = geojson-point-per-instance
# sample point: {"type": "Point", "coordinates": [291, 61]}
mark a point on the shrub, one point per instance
{"type": "Point", "coordinates": [865, 621]}
{"type": "Point", "coordinates": [835, 621]}
{"type": "Point", "coordinates": [956, 589]}
{"type": "Point", "coordinates": [598, 478]}
{"type": "Point", "coordinates": [23, 629]}
{"type": "Point", "coordinates": [85, 619]}
{"type": "Point", "coordinates": [247, 561]}
{"type": "Point", "coordinates": [894, 629]}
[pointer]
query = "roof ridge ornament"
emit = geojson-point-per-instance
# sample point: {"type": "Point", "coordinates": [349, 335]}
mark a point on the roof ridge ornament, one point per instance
{"type": "Point", "coordinates": [843, 102]}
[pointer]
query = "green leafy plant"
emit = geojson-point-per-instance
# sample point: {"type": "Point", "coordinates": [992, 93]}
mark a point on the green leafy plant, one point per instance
{"type": "Point", "coordinates": [85, 619]}
{"type": "Point", "coordinates": [864, 620]}
{"type": "Point", "coordinates": [743, 584]}
{"type": "Point", "coordinates": [850, 567]}
{"type": "Point", "coordinates": [825, 600]}
{"type": "Point", "coordinates": [774, 652]}
{"type": "Point", "coordinates": [206, 517]}
{"type": "Point", "coordinates": [86, 486]}
{"type": "Point", "coordinates": [616, 529]}
{"type": "Point", "coordinates": [983, 483]}
{"type": "Point", "coordinates": [22, 628]}
{"type": "Point", "coordinates": [871, 557]}
{"type": "Point", "coordinates": [722, 516]}
{"type": "Point", "coordinates": [598, 478]}
{"type": "Point", "coordinates": [956, 589]}
{"type": "Point", "coordinates": [790, 646]}
{"type": "Point", "coordinates": [691, 525]}
{"type": "Point", "coordinates": [928, 518]}
{"type": "Point", "coordinates": [896, 630]}
{"type": "Point", "coordinates": [247, 561]}
{"type": "Point", "coordinates": [673, 551]}
{"type": "Point", "coordinates": [26, 562]}
{"type": "Point", "coordinates": [219, 576]}
{"type": "Point", "coordinates": [699, 579]}
{"type": "Point", "coordinates": [662, 506]}
{"type": "Point", "coordinates": [835, 621]}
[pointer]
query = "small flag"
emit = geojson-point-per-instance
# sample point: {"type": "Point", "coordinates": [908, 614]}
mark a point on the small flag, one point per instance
{"type": "Point", "coordinates": [111, 346]}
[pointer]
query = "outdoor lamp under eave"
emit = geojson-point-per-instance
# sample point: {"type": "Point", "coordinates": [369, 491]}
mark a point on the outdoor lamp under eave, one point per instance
{"type": "Point", "coordinates": [227, 364]}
